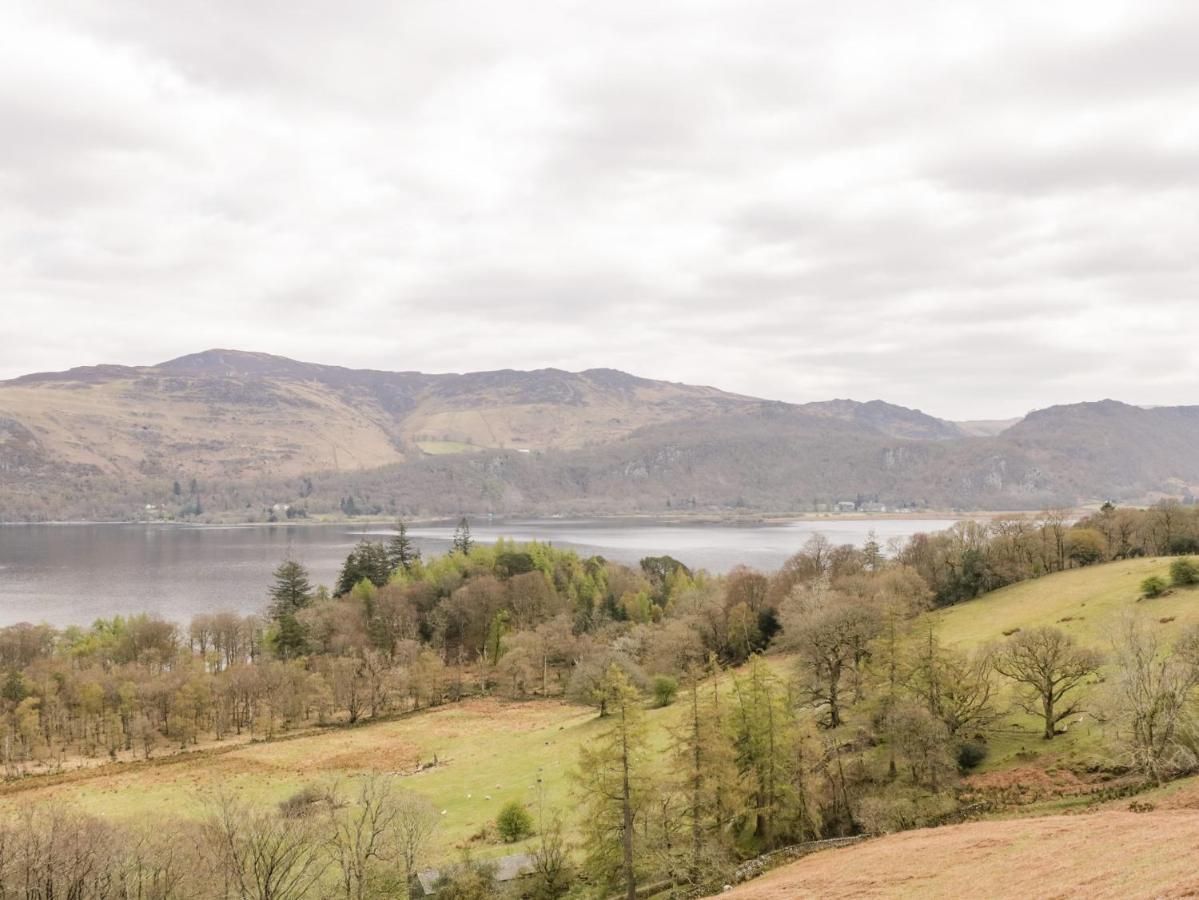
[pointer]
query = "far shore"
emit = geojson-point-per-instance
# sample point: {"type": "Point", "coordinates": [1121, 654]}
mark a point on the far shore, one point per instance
{"type": "Point", "coordinates": [710, 518]}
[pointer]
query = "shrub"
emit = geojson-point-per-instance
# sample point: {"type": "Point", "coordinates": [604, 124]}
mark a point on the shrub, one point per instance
{"type": "Point", "coordinates": [1153, 586]}
{"type": "Point", "coordinates": [665, 690]}
{"type": "Point", "coordinates": [469, 880]}
{"type": "Point", "coordinates": [514, 822]}
{"type": "Point", "coordinates": [305, 801]}
{"type": "Point", "coordinates": [971, 754]}
{"type": "Point", "coordinates": [1184, 571]}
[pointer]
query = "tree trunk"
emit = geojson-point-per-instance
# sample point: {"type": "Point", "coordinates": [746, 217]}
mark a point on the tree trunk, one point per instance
{"type": "Point", "coordinates": [627, 804]}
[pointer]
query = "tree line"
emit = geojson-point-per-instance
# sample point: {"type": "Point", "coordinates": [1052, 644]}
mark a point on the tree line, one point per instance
{"type": "Point", "coordinates": [868, 727]}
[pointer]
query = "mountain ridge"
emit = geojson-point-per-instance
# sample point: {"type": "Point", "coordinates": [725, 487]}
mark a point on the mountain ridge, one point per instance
{"type": "Point", "coordinates": [256, 431]}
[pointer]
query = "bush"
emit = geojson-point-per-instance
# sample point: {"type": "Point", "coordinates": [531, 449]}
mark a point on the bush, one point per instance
{"type": "Point", "coordinates": [1184, 571]}
{"type": "Point", "coordinates": [1153, 586]}
{"type": "Point", "coordinates": [305, 801]}
{"type": "Point", "coordinates": [514, 822]}
{"type": "Point", "coordinates": [665, 690]}
{"type": "Point", "coordinates": [971, 754]}
{"type": "Point", "coordinates": [469, 880]}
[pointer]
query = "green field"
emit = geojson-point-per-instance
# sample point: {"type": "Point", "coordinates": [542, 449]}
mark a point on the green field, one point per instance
{"type": "Point", "coordinates": [488, 752]}
{"type": "Point", "coordinates": [1087, 603]}
{"type": "Point", "coordinates": [445, 448]}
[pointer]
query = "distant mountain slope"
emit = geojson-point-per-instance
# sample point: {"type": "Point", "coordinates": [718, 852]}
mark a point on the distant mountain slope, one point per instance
{"type": "Point", "coordinates": [985, 427]}
{"type": "Point", "coordinates": [896, 421]}
{"type": "Point", "coordinates": [254, 431]}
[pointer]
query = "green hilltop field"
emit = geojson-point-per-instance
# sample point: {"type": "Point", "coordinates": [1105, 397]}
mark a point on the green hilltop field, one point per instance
{"type": "Point", "coordinates": [1089, 604]}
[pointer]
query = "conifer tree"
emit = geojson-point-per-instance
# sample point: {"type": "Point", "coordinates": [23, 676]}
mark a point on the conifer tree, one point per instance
{"type": "Point", "coordinates": [366, 561]}
{"type": "Point", "coordinates": [401, 552]}
{"type": "Point", "coordinates": [762, 729]}
{"type": "Point", "coordinates": [710, 783]}
{"type": "Point", "coordinates": [462, 539]}
{"type": "Point", "coordinates": [291, 593]}
{"type": "Point", "coordinates": [615, 785]}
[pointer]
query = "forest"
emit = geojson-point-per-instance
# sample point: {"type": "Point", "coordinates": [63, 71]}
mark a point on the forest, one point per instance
{"type": "Point", "coordinates": [813, 702]}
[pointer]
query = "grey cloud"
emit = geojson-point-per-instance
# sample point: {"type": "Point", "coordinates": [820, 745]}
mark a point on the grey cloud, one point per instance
{"type": "Point", "coordinates": [969, 208]}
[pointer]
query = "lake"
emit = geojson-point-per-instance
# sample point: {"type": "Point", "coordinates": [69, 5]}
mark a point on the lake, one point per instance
{"type": "Point", "coordinates": [73, 574]}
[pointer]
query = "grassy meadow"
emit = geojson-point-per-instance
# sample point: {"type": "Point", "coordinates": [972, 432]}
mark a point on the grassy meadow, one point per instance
{"type": "Point", "coordinates": [488, 752]}
{"type": "Point", "coordinates": [1087, 603]}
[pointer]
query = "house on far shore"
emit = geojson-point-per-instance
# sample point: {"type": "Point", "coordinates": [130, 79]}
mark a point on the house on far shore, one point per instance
{"type": "Point", "coordinates": [507, 868]}
{"type": "Point", "coordinates": [846, 506]}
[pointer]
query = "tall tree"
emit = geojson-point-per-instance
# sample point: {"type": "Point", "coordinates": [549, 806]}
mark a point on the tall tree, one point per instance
{"type": "Point", "coordinates": [463, 542]}
{"type": "Point", "coordinates": [763, 732]}
{"type": "Point", "coordinates": [706, 762]}
{"type": "Point", "coordinates": [368, 561]}
{"type": "Point", "coordinates": [291, 592]}
{"type": "Point", "coordinates": [615, 785]}
{"type": "Point", "coordinates": [401, 552]}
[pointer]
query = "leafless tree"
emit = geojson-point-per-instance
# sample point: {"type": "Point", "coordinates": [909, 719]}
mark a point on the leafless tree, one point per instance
{"type": "Point", "coordinates": [414, 823]}
{"type": "Point", "coordinates": [264, 855]}
{"type": "Point", "coordinates": [1048, 664]}
{"type": "Point", "coordinates": [363, 836]}
{"type": "Point", "coordinates": [1151, 694]}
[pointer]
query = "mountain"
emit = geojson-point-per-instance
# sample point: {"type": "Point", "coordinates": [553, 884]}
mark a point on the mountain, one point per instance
{"type": "Point", "coordinates": [229, 435]}
{"type": "Point", "coordinates": [896, 421]}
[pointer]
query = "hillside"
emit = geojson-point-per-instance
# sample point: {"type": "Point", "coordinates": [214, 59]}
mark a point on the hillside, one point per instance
{"type": "Point", "coordinates": [1095, 855]}
{"type": "Point", "coordinates": [1089, 604]}
{"type": "Point", "coordinates": [251, 432]}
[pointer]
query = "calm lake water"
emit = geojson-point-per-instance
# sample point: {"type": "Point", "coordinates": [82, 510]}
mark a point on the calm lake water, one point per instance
{"type": "Point", "coordinates": [72, 574]}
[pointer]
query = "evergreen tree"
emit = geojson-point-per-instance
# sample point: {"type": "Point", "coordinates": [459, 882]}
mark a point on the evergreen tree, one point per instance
{"type": "Point", "coordinates": [706, 762]}
{"type": "Point", "coordinates": [292, 590]}
{"type": "Point", "coordinates": [14, 688]}
{"type": "Point", "coordinates": [615, 786]}
{"type": "Point", "coordinates": [291, 593]}
{"type": "Point", "coordinates": [369, 561]}
{"type": "Point", "coordinates": [763, 734]}
{"type": "Point", "coordinates": [462, 539]}
{"type": "Point", "coordinates": [401, 552]}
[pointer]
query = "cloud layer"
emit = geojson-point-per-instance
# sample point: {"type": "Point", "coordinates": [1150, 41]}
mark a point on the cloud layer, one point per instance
{"type": "Point", "coordinates": [972, 208]}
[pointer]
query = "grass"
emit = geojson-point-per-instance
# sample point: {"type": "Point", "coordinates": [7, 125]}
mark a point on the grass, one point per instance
{"type": "Point", "coordinates": [488, 752]}
{"type": "Point", "coordinates": [1088, 604]}
{"type": "Point", "coordinates": [446, 448]}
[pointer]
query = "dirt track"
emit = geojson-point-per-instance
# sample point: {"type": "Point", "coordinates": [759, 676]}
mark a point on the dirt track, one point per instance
{"type": "Point", "coordinates": [1097, 855]}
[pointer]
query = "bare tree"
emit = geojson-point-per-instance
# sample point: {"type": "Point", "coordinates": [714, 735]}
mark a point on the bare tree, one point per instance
{"type": "Point", "coordinates": [1048, 664]}
{"type": "Point", "coordinates": [363, 836]}
{"type": "Point", "coordinates": [414, 823]}
{"type": "Point", "coordinates": [1151, 698]}
{"type": "Point", "coordinates": [263, 855]}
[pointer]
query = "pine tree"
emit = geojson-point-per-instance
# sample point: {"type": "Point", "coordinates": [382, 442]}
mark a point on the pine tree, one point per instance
{"type": "Point", "coordinates": [291, 593]}
{"type": "Point", "coordinates": [709, 780]}
{"type": "Point", "coordinates": [401, 552]}
{"type": "Point", "coordinates": [369, 561]}
{"type": "Point", "coordinates": [615, 785]}
{"type": "Point", "coordinates": [292, 590]}
{"type": "Point", "coordinates": [763, 734]}
{"type": "Point", "coordinates": [462, 539]}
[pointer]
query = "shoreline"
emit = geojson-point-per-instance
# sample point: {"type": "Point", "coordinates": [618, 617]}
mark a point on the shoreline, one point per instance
{"type": "Point", "coordinates": [483, 518]}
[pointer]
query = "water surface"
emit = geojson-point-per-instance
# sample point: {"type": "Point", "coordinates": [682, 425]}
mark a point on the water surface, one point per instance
{"type": "Point", "coordinates": [72, 574]}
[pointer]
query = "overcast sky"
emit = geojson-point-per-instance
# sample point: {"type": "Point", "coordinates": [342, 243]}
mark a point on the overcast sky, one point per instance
{"type": "Point", "coordinates": [975, 208]}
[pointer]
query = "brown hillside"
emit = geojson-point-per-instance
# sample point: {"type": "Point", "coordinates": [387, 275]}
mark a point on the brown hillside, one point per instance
{"type": "Point", "coordinates": [1095, 855]}
{"type": "Point", "coordinates": [255, 431]}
